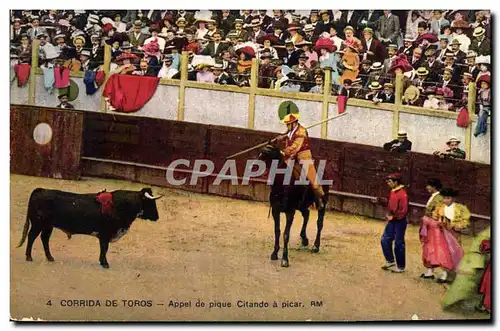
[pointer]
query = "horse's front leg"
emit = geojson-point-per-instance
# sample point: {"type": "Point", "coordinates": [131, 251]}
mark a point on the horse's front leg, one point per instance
{"type": "Point", "coordinates": [286, 237]}
{"type": "Point", "coordinates": [276, 217]}
{"type": "Point", "coordinates": [303, 234]}
{"type": "Point", "coordinates": [317, 242]}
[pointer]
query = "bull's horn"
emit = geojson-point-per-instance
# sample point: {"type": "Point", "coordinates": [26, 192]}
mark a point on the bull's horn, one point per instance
{"type": "Point", "coordinates": [149, 196]}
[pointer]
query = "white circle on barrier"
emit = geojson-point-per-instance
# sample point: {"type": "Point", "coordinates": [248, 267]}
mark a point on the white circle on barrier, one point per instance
{"type": "Point", "coordinates": [42, 134]}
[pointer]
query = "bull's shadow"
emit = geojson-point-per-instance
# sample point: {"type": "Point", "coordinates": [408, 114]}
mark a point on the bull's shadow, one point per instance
{"type": "Point", "coordinates": [288, 199]}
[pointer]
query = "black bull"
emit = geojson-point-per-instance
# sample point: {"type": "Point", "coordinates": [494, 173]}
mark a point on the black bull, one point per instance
{"type": "Point", "coordinates": [82, 214]}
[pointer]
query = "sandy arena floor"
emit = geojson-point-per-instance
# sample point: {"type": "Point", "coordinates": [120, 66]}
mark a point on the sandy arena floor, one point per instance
{"type": "Point", "coordinates": [215, 249]}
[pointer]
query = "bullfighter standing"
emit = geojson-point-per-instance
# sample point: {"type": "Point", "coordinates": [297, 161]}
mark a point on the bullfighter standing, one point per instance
{"type": "Point", "coordinates": [297, 147]}
{"type": "Point", "coordinates": [396, 225]}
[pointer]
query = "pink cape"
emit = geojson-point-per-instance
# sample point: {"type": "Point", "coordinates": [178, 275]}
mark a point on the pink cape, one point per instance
{"type": "Point", "coordinates": [440, 248]}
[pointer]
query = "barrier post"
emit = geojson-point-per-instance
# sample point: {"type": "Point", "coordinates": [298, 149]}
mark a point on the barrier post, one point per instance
{"type": "Point", "coordinates": [398, 94]}
{"type": "Point", "coordinates": [34, 67]}
{"type": "Point", "coordinates": [327, 89]}
{"type": "Point", "coordinates": [471, 107]}
{"type": "Point", "coordinates": [182, 86]}
{"type": "Point", "coordinates": [251, 97]}
{"type": "Point", "coordinates": [106, 67]}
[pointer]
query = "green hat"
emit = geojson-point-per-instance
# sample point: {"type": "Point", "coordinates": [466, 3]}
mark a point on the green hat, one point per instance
{"type": "Point", "coordinates": [288, 112]}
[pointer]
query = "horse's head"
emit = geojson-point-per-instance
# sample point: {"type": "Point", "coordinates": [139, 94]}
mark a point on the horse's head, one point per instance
{"type": "Point", "coordinates": [270, 152]}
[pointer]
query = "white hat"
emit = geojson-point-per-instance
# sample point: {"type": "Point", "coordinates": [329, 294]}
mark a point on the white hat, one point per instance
{"type": "Point", "coordinates": [85, 52]}
{"type": "Point", "coordinates": [308, 27]}
{"type": "Point", "coordinates": [483, 59]}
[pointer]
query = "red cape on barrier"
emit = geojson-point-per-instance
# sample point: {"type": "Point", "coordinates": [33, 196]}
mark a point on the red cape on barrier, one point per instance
{"type": "Point", "coordinates": [129, 93]}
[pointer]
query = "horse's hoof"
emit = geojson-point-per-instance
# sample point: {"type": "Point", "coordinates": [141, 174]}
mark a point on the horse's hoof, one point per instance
{"type": "Point", "coordinates": [285, 264]}
{"type": "Point", "coordinates": [105, 265]}
{"type": "Point", "coordinates": [274, 256]}
{"type": "Point", "coordinates": [50, 259]}
{"type": "Point", "coordinates": [29, 259]}
{"type": "Point", "coordinates": [305, 242]}
{"type": "Point", "coordinates": [315, 249]}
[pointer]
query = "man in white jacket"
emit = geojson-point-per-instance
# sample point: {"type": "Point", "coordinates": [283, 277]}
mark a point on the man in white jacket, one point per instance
{"type": "Point", "coordinates": [167, 71]}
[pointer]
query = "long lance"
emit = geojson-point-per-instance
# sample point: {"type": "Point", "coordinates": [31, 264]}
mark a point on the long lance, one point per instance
{"type": "Point", "coordinates": [267, 142]}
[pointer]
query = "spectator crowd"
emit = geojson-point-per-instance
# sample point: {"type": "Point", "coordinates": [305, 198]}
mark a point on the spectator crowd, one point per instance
{"type": "Point", "coordinates": [438, 52]}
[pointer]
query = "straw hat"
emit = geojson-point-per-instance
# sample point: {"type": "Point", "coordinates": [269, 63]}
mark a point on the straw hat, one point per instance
{"type": "Point", "coordinates": [411, 94]}
{"type": "Point", "coordinates": [453, 139]}
{"type": "Point", "coordinates": [375, 86]}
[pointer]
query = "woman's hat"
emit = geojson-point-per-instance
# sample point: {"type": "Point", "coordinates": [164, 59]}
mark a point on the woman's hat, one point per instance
{"type": "Point", "coordinates": [352, 44]}
{"type": "Point", "coordinates": [369, 30]}
{"type": "Point", "coordinates": [303, 43]}
{"type": "Point", "coordinates": [412, 93]}
{"type": "Point", "coordinates": [349, 28]}
{"type": "Point", "coordinates": [292, 27]}
{"type": "Point", "coordinates": [375, 86]}
{"type": "Point", "coordinates": [125, 56]}
{"type": "Point", "coordinates": [82, 38]}
{"type": "Point", "coordinates": [395, 175]}
{"type": "Point", "coordinates": [484, 78]}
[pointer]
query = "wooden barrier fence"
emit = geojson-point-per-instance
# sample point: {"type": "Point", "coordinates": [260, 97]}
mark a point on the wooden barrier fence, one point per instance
{"type": "Point", "coordinates": [141, 149]}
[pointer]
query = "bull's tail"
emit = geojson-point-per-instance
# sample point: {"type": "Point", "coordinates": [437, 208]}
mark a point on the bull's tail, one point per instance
{"type": "Point", "coordinates": [25, 231]}
{"type": "Point", "coordinates": [27, 223]}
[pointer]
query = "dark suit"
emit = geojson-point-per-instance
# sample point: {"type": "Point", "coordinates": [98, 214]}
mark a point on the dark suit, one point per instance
{"type": "Point", "coordinates": [257, 36]}
{"type": "Point", "coordinates": [474, 71]}
{"type": "Point", "coordinates": [246, 20]}
{"type": "Point", "coordinates": [225, 24]}
{"type": "Point", "coordinates": [212, 51]}
{"type": "Point", "coordinates": [372, 21]}
{"type": "Point", "coordinates": [266, 22]}
{"type": "Point", "coordinates": [416, 63]}
{"type": "Point", "coordinates": [291, 59]}
{"type": "Point", "coordinates": [224, 79]}
{"type": "Point", "coordinates": [434, 70]}
{"type": "Point", "coordinates": [229, 66]}
{"type": "Point", "coordinates": [343, 22]}
{"type": "Point", "coordinates": [376, 47]}
{"type": "Point", "coordinates": [15, 37]}
{"type": "Point", "coordinates": [281, 20]}
{"type": "Point", "coordinates": [460, 57]}
{"type": "Point", "coordinates": [483, 49]}
{"type": "Point", "coordinates": [323, 27]}
{"type": "Point", "coordinates": [406, 51]}
{"type": "Point", "coordinates": [396, 146]}
{"type": "Point", "coordinates": [388, 28]}
{"type": "Point", "coordinates": [66, 106]}
{"type": "Point", "coordinates": [136, 42]}
{"type": "Point", "coordinates": [387, 98]}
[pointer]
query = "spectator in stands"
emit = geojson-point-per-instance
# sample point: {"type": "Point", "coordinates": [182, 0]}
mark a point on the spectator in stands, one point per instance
{"type": "Point", "coordinates": [407, 48]}
{"type": "Point", "coordinates": [461, 36]}
{"type": "Point", "coordinates": [387, 96]}
{"type": "Point", "coordinates": [372, 48]}
{"type": "Point", "coordinates": [375, 91]}
{"type": "Point", "coordinates": [312, 57]}
{"type": "Point", "coordinates": [401, 144]}
{"type": "Point", "coordinates": [301, 69]}
{"type": "Point", "coordinates": [151, 57]}
{"type": "Point", "coordinates": [222, 77]}
{"type": "Point", "coordinates": [167, 71]}
{"type": "Point", "coordinates": [437, 22]}
{"type": "Point", "coordinates": [364, 72]}
{"type": "Point", "coordinates": [484, 67]}
{"type": "Point", "coordinates": [266, 70]}
{"type": "Point", "coordinates": [388, 28]}
{"type": "Point", "coordinates": [346, 89]}
{"type": "Point", "coordinates": [136, 37]}
{"type": "Point", "coordinates": [292, 55]}
{"type": "Point", "coordinates": [17, 32]}
{"type": "Point", "coordinates": [391, 56]}
{"type": "Point", "coordinates": [216, 46]}
{"type": "Point", "coordinates": [204, 73]}
{"type": "Point", "coordinates": [443, 44]}
{"type": "Point", "coordinates": [35, 29]}
{"type": "Point", "coordinates": [324, 24]}
{"type": "Point", "coordinates": [435, 67]}
{"type": "Point", "coordinates": [309, 34]}
{"type": "Point", "coordinates": [376, 73]}
{"type": "Point", "coordinates": [228, 64]}
{"type": "Point", "coordinates": [154, 37]}
{"type": "Point", "coordinates": [472, 67]}
{"type": "Point", "coordinates": [338, 42]}
{"type": "Point", "coordinates": [416, 61]}
{"type": "Point", "coordinates": [412, 22]}
{"type": "Point", "coordinates": [480, 44]}
{"type": "Point", "coordinates": [350, 60]}
{"type": "Point", "coordinates": [318, 88]}
{"type": "Point", "coordinates": [24, 49]}
{"type": "Point", "coordinates": [449, 64]}
{"type": "Point", "coordinates": [484, 100]}
{"type": "Point", "coordinates": [459, 55]}
{"type": "Point", "coordinates": [452, 151]}
{"type": "Point", "coordinates": [369, 19]}
{"type": "Point", "coordinates": [256, 31]}
{"type": "Point", "coordinates": [63, 102]}
{"type": "Point", "coordinates": [145, 69]}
